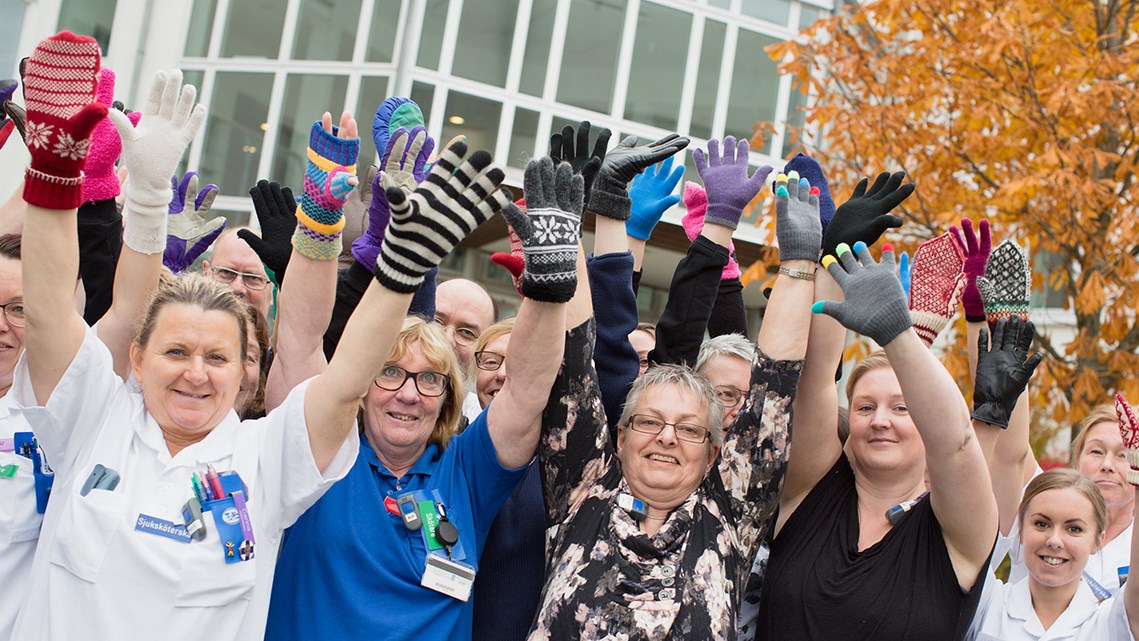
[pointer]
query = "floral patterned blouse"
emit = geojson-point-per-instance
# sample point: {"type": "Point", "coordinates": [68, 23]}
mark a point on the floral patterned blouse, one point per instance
{"type": "Point", "coordinates": [606, 579]}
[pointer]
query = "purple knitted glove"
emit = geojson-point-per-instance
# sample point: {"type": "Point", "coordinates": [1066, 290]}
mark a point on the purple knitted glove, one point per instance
{"type": "Point", "coordinates": [366, 248]}
{"type": "Point", "coordinates": [696, 202]}
{"type": "Point", "coordinates": [403, 166]}
{"type": "Point", "coordinates": [976, 258]}
{"type": "Point", "coordinates": [725, 178]}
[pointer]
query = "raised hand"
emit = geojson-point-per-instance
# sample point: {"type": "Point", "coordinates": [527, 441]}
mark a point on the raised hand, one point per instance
{"type": "Point", "coordinates": [562, 148]}
{"type": "Point", "coordinates": [188, 233]}
{"type": "Point", "coordinates": [609, 196]}
{"type": "Point", "coordinates": [513, 261]}
{"type": "Point", "coordinates": [405, 159]}
{"type": "Point", "coordinates": [329, 181]}
{"type": "Point", "coordinates": [866, 215]}
{"type": "Point", "coordinates": [99, 179]}
{"type": "Point", "coordinates": [1003, 370]}
{"type": "Point", "coordinates": [458, 195]}
{"type": "Point", "coordinates": [976, 254]}
{"type": "Point", "coordinates": [936, 284]}
{"type": "Point", "coordinates": [1006, 286]}
{"type": "Point", "coordinates": [651, 196]}
{"type": "Point", "coordinates": [696, 205]}
{"type": "Point", "coordinates": [797, 225]}
{"type": "Point", "coordinates": [549, 229]}
{"type": "Point", "coordinates": [1129, 431]}
{"type": "Point", "coordinates": [726, 181]}
{"type": "Point", "coordinates": [875, 305]}
{"type": "Point", "coordinates": [276, 211]}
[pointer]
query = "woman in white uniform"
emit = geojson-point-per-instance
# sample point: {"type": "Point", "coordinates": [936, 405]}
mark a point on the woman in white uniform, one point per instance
{"type": "Point", "coordinates": [125, 552]}
{"type": "Point", "coordinates": [1062, 519]}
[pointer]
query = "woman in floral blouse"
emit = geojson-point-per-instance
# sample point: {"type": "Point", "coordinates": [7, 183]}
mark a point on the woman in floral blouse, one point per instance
{"type": "Point", "coordinates": [656, 535]}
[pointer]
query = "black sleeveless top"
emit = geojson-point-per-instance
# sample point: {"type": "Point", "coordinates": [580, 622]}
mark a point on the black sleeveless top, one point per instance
{"type": "Point", "coordinates": [819, 586]}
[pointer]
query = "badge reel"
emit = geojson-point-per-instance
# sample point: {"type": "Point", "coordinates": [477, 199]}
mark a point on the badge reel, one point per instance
{"type": "Point", "coordinates": [444, 574]}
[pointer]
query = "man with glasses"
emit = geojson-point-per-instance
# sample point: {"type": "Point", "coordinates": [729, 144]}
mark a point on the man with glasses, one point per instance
{"type": "Point", "coordinates": [464, 309]}
{"type": "Point", "coordinates": [234, 263]}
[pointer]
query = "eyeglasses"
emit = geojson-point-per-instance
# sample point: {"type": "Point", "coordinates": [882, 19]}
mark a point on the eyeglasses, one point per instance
{"type": "Point", "coordinates": [689, 432]}
{"type": "Point", "coordinates": [14, 313]}
{"type": "Point", "coordinates": [464, 336]}
{"type": "Point", "coordinates": [728, 395]}
{"type": "Point", "coordinates": [489, 361]}
{"type": "Point", "coordinates": [255, 282]}
{"type": "Point", "coordinates": [393, 377]}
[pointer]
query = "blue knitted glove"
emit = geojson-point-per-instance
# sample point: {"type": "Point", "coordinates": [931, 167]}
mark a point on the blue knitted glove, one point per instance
{"type": "Point", "coordinates": [652, 195]}
{"type": "Point", "coordinates": [903, 272]}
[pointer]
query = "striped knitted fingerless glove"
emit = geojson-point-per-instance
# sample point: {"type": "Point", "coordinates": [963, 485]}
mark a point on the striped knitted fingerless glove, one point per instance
{"type": "Point", "coordinates": [320, 216]}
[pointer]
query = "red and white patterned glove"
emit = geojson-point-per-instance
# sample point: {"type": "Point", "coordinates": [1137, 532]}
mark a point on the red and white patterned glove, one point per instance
{"type": "Point", "coordinates": [513, 262]}
{"type": "Point", "coordinates": [1129, 432]}
{"type": "Point", "coordinates": [937, 282]}
{"type": "Point", "coordinates": [59, 95]}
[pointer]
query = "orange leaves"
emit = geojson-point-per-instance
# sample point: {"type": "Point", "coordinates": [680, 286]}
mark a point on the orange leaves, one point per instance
{"type": "Point", "coordinates": [1092, 293]}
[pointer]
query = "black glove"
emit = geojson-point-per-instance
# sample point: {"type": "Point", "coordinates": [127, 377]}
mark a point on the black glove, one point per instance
{"type": "Point", "coordinates": [276, 210]}
{"type": "Point", "coordinates": [621, 165]}
{"type": "Point", "coordinates": [866, 216]}
{"type": "Point", "coordinates": [562, 149]}
{"type": "Point", "coordinates": [1003, 371]}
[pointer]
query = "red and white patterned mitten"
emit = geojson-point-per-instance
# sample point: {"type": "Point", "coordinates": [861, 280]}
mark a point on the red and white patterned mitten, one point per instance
{"type": "Point", "coordinates": [1129, 432]}
{"type": "Point", "coordinates": [59, 95]}
{"type": "Point", "coordinates": [937, 282]}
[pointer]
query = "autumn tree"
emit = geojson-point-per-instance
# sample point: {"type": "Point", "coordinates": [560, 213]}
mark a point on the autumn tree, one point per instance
{"type": "Point", "coordinates": [1021, 111]}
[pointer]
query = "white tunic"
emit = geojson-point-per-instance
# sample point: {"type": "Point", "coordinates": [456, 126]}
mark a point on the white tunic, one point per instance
{"type": "Point", "coordinates": [1006, 614]}
{"type": "Point", "coordinates": [96, 577]}
{"type": "Point", "coordinates": [19, 520]}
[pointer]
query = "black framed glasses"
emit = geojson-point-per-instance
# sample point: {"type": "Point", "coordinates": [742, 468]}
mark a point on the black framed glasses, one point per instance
{"type": "Point", "coordinates": [255, 282]}
{"type": "Point", "coordinates": [464, 336]}
{"type": "Point", "coordinates": [729, 395]}
{"type": "Point", "coordinates": [14, 313]}
{"type": "Point", "coordinates": [648, 424]}
{"type": "Point", "coordinates": [393, 377]}
{"type": "Point", "coordinates": [489, 361]}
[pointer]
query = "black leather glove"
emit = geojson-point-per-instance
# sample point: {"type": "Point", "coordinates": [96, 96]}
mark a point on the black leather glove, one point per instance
{"type": "Point", "coordinates": [1003, 371]}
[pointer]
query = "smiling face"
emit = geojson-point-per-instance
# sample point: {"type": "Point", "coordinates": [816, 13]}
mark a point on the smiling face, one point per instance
{"type": "Point", "coordinates": [11, 338]}
{"type": "Point", "coordinates": [190, 369]}
{"type": "Point", "coordinates": [464, 309]}
{"type": "Point", "coordinates": [660, 468]}
{"type": "Point", "coordinates": [1058, 533]}
{"type": "Point", "coordinates": [1102, 459]}
{"type": "Point", "coordinates": [883, 437]}
{"type": "Point", "coordinates": [399, 423]}
{"type": "Point", "coordinates": [489, 383]}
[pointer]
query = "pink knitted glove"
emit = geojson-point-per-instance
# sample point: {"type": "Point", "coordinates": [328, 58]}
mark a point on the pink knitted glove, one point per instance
{"type": "Point", "coordinates": [937, 281]}
{"type": "Point", "coordinates": [59, 93]}
{"type": "Point", "coordinates": [100, 181]}
{"type": "Point", "coordinates": [696, 202]}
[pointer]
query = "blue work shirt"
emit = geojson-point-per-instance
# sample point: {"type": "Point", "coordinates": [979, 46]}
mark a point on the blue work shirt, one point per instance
{"type": "Point", "coordinates": [350, 569]}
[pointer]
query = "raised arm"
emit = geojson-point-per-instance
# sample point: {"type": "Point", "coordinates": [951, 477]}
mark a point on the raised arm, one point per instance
{"type": "Point", "coordinates": [960, 490]}
{"type": "Point", "coordinates": [460, 193]}
{"type": "Point", "coordinates": [1129, 432]}
{"type": "Point", "coordinates": [151, 152]}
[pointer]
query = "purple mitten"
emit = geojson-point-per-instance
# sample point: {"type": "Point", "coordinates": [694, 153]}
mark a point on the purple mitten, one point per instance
{"type": "Point", "coordinates": [976, 259]}
{"type": "Point", "coordinates": [696, 203]}
{"type": "Point", "coordinates": [725, 178]}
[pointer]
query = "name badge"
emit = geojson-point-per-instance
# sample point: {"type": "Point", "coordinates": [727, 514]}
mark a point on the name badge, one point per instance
{"type": "Point", "coordinates": [448, 577]}
{"type": "Point", "coordinates": [162, 527]}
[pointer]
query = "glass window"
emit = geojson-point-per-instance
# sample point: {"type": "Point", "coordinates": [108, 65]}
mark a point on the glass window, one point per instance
{"type": "Point", "coordinates": [90, 18]}
{"type": "Point", "coordinates": [431, 35]}
{"type": "Point", "coordinates": [808, 15]}
{"type": "Point", "coordinates": [690, 173]}
{"type": "Point", "coordinates": [474, 117]}
{"type": "Point", "coordinates": [235, 130]}
{"type": "Point", "coordinates": [326, 29]}
{"type": "Point", "coordinates": [234, 219]}
{"type": "Point", "coordinates": [423, 94]}
{"type": "Point", "coordinates": [593, 38]}
{"type": "Point", "coordinates": [306, 98]}
{"type": "Point", "coordinates": [523, 137]}
{"type": "Point", "coordinates": [537, 56]}
{"type": "Point", "coordinates": [776, 11]}
{"type": "Point", "coordinates": [253, 29]}
{"type": "Point", "coordinates": [659, 54]}
{"type": "Point", "coordinates": [201, 25]}
{"type": "Point", "coordinates": [708, 78]}
{"type": "Point", "coordinates": [381, 37]}
{"type": "Point", "coordinates": [754, 92]}
{"type": "Point", "coordinates": [720, 4]}
{"type": "Point", "coordinates": [792, 131]}
{"type": "Point", "coordinates": [482, 49]}
{"type": "Point", "coordinates": [190, 77]}
{"type": "Point", "coordinates": [373, 91]}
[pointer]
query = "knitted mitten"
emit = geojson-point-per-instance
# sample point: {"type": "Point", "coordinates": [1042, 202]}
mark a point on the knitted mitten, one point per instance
{"type": "Point", "coordinates": [696, 202]}
{"type": "Point", "coordinates": [1007, 284]}
{"type": "Point", "coordinates": [1129, 431]}
{"type": "Point", "coordinates": [937, 281]}
{"type": "Point", "coordinates": [549, 229]}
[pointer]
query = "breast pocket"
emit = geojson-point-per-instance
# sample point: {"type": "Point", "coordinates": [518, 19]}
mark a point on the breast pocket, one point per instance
{"type": "Point", "coordinates": [87, 528]}
{"type": "Point", "coordinates": [19, 520]}
{"type": "Point", "coordinates": [207, 580]}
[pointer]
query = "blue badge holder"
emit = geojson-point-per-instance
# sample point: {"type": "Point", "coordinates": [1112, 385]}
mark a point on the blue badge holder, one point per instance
{"type": "Point", "coordinates": [27, 446]}
{"type": "Point", "coordinates": [235, 546]}
{"type": "Point", "coordinates": [428, 529]}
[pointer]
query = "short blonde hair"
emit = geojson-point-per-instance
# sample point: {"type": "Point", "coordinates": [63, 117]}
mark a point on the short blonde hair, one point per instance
{"type": "Point", "coordinates": [1099, 414]}
{"type": "Point", "coordinates": [197, 291]}
{"type": "Point", "coordinates": [877, 360]}
{"type": "Point", "coordinates": [488, 336]}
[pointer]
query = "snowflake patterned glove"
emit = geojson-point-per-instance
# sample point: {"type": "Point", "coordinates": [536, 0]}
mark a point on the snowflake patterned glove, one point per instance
{"type": "Point", "coordinates": [875, 304]}
{"type": "Point", "coordinates": [726, 181]}
{"type": "Point", "coordinates": [1003, 371]}
{"type": "Point", "coordinates": [59, 91]}
{"type": "Point", "coordinates": [457, 196]}
{"type": "Point", "coordinates": [798, 228]}
{"type": "Point", "coordinates": [976, 258]}
{"type": "Point", "coordinates": [936, 284]}
{"type": "Point", "coordinates": [151, 153]}
{"type": "Point", "coordinates": [1007, 284]}
{"type": "Point", "coordinates": [188, 233]}
{"type": "Point", "coordinates": [549, 229]}
{"type": "Point", "coordinates": [609, 196]}
{"type": "Point", "coordinates": [1129, 432]}
{"type": "Point", "coordinates": [651, 196]}
{"type": "Point", "coordinates": [562, 149]}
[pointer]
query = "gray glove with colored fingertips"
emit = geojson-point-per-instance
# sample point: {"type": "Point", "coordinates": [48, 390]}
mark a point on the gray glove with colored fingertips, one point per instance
{"type": "Point", "coordinates": [875, 304]}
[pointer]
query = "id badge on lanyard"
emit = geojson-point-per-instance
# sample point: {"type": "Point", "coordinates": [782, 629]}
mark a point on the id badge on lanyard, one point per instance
{"type": "Point", "coordinates": [444, 570]}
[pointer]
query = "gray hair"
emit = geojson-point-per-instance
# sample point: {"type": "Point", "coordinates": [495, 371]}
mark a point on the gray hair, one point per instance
{"type": "Point", "coordinates": [736, 345]}
{"type": "Point", "coordinates": [684, 378]}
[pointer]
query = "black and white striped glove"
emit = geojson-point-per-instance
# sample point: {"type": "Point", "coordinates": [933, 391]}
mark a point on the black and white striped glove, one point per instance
{"type": "Point", "coordinates": [427, 224]}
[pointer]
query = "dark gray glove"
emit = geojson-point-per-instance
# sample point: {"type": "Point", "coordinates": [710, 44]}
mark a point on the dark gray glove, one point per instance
{"type": "Point", "coordinates": [610, 195]}
{"type": "Point", "coordinates": [797, 225]}
{"type": "Point", "coordinates": [549, 230]}
{"type": "Point", "coordinates": [875, 304]}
